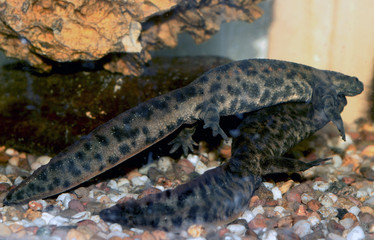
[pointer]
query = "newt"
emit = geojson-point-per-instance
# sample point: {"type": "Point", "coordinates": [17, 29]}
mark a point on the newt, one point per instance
{"type": "Point", "coordinates": [236, 87]}
{"type": "Point", "coordinates": [222, 194]}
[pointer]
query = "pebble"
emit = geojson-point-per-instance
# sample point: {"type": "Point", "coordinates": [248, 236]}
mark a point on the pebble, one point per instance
{"type": "Point", "coordinates": [5, 179]}
{"type": "Point", "coordinates": [270, 235]}
{"type": "Point", "coordinates": [237, 229]}
{"type": "Point", "coordinates": [200, 167]}
{"type": "Point", "coordinates": [43, 160]}
{"type": "Point", "coordinates": [302, 228]}
{"type": "Point", "coordinates": [196, 230]}
{"type": "Point", "coordinates": [320, 186]}
{"type": "Point", "coordinates": [356, 234]}
{"type": "Point", "coordinates": [277, 194]}
{"type": "Point", "coordinates": [258, 210]}
{"type": "Point", "coordinates": [63, 200]}
{"type": "Point", "coordinates": [113, 184]}
{"type": "Point", "coordinates": [139, 181]}
{"type": "Point", "coordinates": [193, 159]}
{"type": "Point", "coordinates": [354, 210]}
{"type": "Point", "coordinates": [347, 223]}
{"type": "Point", "coordinates": [247, 216]}
{"type": "Point", "coordinates": [58, 221]}
{"type": "Point", "coordinates": [4, 230]}
{"type": "Point", "coordinates": [165, 164]}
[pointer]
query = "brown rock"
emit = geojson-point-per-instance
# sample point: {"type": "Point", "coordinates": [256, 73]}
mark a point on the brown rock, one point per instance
{"type": "Point", "coordinates": [76, 205]}
{"type": "Point", "coordinates": [286, 221]}
{"type": "Point", "coordinates": [149, 191]}
{"type": "Point", "coordinates": [314, 205]}
{"type": "Point", "coordinates": [88, 30]}
{"type": "Point", "coordinates": [293, 196]}
{"type": "Point", "coordinates": [260, 221]}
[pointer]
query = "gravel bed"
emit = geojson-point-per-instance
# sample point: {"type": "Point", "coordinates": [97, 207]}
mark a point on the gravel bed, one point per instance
{"type": "Point", "coordinates": [332, 201]}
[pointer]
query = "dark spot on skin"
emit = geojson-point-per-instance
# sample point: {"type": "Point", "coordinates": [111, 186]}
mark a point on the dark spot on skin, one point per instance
{"type": "Point", "coordinates": [177, 221]}
{"type": "Point", "coordinates": [43, 176]}
{"type": "Point", "coordinates": [113, 159]}
{"type": "Point", "coordinates": [303, 75]}
{"type": "Point", "coordinates": [291, 75]}
{"type": "Point", "coordinates": [238, 79]}
{"type": "Point", "coordinates": [19, 194]}
{"type": "Point", "coordinates": [159, 104]}
{"type": "Point", "coordinates": [127, 119]}
{"type": "Point", "coordinates": [251, 72]}
{"type": "Point", "coordinates": [66, 184]}
{"type": "Point", "coordinates": [86, 167]}
{"type": "Point", "coordinates": [170, 127]}
{"type": "Point", "coordinates": [190, 91]}
{"type": "Point", "coordinates": [133, 143]}
{"type": "Point", "coordinates": [297, 87]}
{"type": "Point", "coordinates": [51, 187]}
{"type": "Point", "coordinates": [57, 165]}
{"type": "Point", "coordinates": [75, 172]}
{"type": "Point", "coordinates": [233, 106]}
{"type": "Point", "coordinates": [192, 213]}
{"type": "Point", "coordinates": [271, 82]}
{"type": "Point", "coordinates": [145, 130]}
{"type": "Point", "coordinates": [124, 149]}
{"type": "Point", "coordinates": [215, 87]}
{"type": "Point", "coordinates": [161, 134]}
{"type": "Point", "coordinates": [179, 97]}
{"type": "Point", "coordinates": [203, 79]}
{"type": "Point", "coordinates": [102, 140]}
{"type": "Point", "coordinates": [206, 217]}
{"type": "Point", "coordinates": [80, 155]}
{"type": "Point", "coordinates": [119, 134]}
{"type": "Point", "coordinates": [222, 69]}
{"type": "Point", "coordinates": [280, 65]}
{"type": "Point", "coordinates": [221, 99]}
{"type": "Point", "coordinates": [218, 78]}
{"type": "Point", "coordinates": [72, 168]}
{"type": "Point", "coordinates": [243, 65]}
{"type": "Point", "coordinates": [199, 107]}
{"type": "Point", "coordinates": [98, 157]}
{"type": "Point", "coordinates": [232, 90]}
{"type": "Point", "coordinates": [266, 71]}
{"type": "Point", "coordinates": [31, 186]}
{"type": "Point", "coordinates": [56, 181]}
{"type": "Point", "coordinates": [180, 121]}
{"type": "Point", "coordinates": [253, 91]}
{"type": "Point", "coordinates": [149, 140]}
{"type": "Point", "coordinates": [87, 146]}
{"type": "Point", "coordinates": [101, 168]}
{"type": "Point", "coordinates": [40, 189]}
{"type": "Point", "coordinates": [145, 112]}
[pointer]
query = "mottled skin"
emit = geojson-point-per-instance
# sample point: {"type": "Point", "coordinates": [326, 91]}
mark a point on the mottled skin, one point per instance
{"type": "Point", "coordinates": [237, 87]}
{"type": "Point", "coordinates": [224, 192]}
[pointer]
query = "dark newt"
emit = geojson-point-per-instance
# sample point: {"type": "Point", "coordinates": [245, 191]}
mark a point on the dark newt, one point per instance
{"type": "Point", "coordinates": [237, 87]}
{"type": "Point", "coordinates": [221, 194]}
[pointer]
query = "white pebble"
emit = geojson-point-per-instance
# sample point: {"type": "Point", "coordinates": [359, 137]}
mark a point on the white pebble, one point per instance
{"type": "Point", "coordinates": [305, 198]}
{"type": "Point", "coordinates": [258, 210]}
{"type": "Point", "coordinates": [115, 227]}
{"type": "Point", "coordinates": [268, 185]}
{"type": "Point", "coordinates": [328, 212]}
{"type": "Point", "coordinates": [14, 161]}
{"type": "Point", "coordinates": [325, 200]}
{"type": "Point", "coordinates": [80, 216]}
{"type": "Point", "coordinates": [11, 152]}
{"type": "Point", "coordinates": [43, 160]}
{"type": "Point", "coordinates": [123, 182]}
{"type": "Point", "coordinates": [270, 235]}
{"type": "Point", "coordinates": [165, 164]}
{"type": "Point", "coordinates": [58, 221]}
{"type": "Point", "coordinates": [47, 217]}
{"type": "Point", "coordinates": [333, 236]}
{"type": "Point", "coordinates": [277, 194]}
{"type": "Point", "coordinates": [280, 210]}
{"type": "Point", "coordinates": [18, 180]}
{"type": "Point", "coordinates": [356, 234]}
{"type": "Point", "coordinates": [63, 200]}
{"type": "Point", "coordinates": [144, 170]}
{"type": "Point", "coordinates": [314, 220]}
{"type": "Point", "coordinates": [247, 216]}
{"type": "Point", "coordinates": [237, 229]}
{"type": "Point", "coordinates": [39, 222]}
{"type": "Point", "coordinates": [113, 185]}
{"type": "Point", "coordinates": [302, 228]}
{"type": "Point", "coordinates": [115, 198]}
{"type": "Point", "coordinates": [320, 186]}
{"type": "Point", "coordinates": [193, 159]}
{"type": "Point", "coordinates": [139, 181]}
{"type": "Point", "coordinates": [361, 193]}
{"type": "Point", "coordinates": [354, 210]}
{"type": "Point", "coordinates": [35, 165]}
{"type": "Point", "coordinates": [161, 188]}
{"type": "Point", "coordinates": [347, 222]}
{"type": "Point", "coordinates": [337, 161]}
{"type": "Point", "coordinates": [5, 179]}
{"type": "Point", "coordinates": [200, 167]}
{"type": "Point", "coordinates": [95, 218]}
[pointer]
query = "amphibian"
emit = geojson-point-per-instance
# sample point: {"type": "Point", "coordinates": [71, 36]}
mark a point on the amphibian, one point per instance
{"type": "Point", "coordinates": [223, 193]}
{"type": "Point", "coordinates": [236, 87]}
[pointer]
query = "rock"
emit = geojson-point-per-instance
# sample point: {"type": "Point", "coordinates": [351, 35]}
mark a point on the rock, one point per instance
{"type": "Point", "coordinates": [196, 230]}
{"type": "Point", "coordinates": [356, 234]}
{"type": "Point", "coordinates": [4, 230]}
{"type": "Point", "coordinates": [237, 229]}
{"type": "Point", "coordinates": [302, 228]}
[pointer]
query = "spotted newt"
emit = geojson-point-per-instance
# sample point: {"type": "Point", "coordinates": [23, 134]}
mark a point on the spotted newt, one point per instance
{"type": "Point", "coordinates": [236, 87]}
{"type": "Point", "coordinates": [223, 193]}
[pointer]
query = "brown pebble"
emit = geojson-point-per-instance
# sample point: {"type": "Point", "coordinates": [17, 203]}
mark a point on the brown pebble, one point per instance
{"type": "Point", "coordinates": [149, 191]}
{"type": "Point", "coordinates": [350, 215]}
{"type": "Point", "coordinates": [115, 238]}
{"type": "Point", "coordinates": [348, 180]}
{"type": "Point", "coordinates": [160, 235]}
{"type": "Point", "coordinates": [293, 197]}
{"type": "Point", "coordinates": [301, 211]}
{"type": "Point", "coordinates": [4, 230]}
{"type": "Point", "coordinates": [76, 205]}
{"type": "Point", "coordinates": [36, 206]}
{"type": "Point", "coordinates": [314, 205]}
{"type": "Point", "coordinates": [258, 222]}
{"type": "Point", "coordinates": [16, 227]}
{"type": "Point", "coordinates": [286, 221]}
{"type": "Point", "coordinates": [81, 192]}
{"type": "Point", "coordinates": [32, 215]}
{"type": "Point", "coordinates": [4, 187]}
{"type": "Point", "coordinates": [185, 166]}
{"type": "Point", "coordinates": [133, 173]}
{"type": "Point", "coordinates": [196, 230]}
{"type": "Point", "coordinates": [147, 236]}
{"type": "Point", "coordinates": [74, 234]}
{"type": "Point", "coordinates": [31, 230]}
